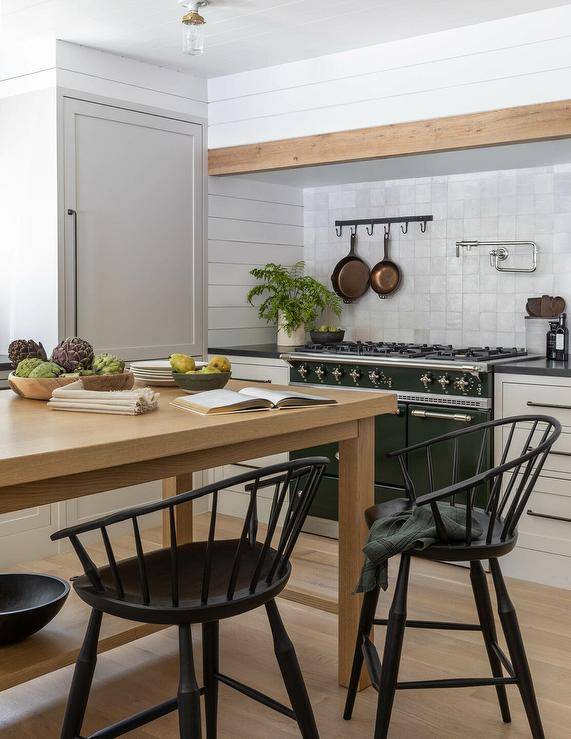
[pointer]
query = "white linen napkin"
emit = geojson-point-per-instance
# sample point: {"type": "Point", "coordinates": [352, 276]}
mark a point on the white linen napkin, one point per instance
{"type": "Point", "coordinates": [74, 397]}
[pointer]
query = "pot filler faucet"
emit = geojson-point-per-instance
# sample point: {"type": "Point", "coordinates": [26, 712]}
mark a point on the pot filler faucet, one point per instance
{"type": "Point", "coordinates": [501, 253]}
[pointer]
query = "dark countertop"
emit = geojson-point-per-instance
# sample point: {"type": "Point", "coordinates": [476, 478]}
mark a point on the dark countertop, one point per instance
{"type": "Point", "coordinates": [5, 363]}
{"type": "Point", "coordinates": [539, 366]}
{"type": "Point", "coordinates": [268, 351]}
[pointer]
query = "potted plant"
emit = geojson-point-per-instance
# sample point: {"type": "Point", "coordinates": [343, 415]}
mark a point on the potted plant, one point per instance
{"type": "Point", "coordinates": [291, 299]}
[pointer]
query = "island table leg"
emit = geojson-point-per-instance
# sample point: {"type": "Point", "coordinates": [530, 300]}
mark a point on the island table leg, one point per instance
{"type": "Point", "coordinates": [356, 493]}
{"type": "Point", "coordinates": [183, 513]}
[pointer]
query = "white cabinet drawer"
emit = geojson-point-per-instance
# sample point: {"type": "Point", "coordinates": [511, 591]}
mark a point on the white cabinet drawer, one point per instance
{"type": "Point", "coordinates": [540, 526]}
{"type": "Point", "coordinates": [549, 400]}
{"type": "Point", "coordinates": [260, 373]}
{"type": "Point", "coordinates": [558, 460]}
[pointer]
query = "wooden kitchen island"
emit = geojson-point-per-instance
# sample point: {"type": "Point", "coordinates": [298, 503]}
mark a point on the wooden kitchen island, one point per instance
{"type": "Point", "coordinates": [48, 456]}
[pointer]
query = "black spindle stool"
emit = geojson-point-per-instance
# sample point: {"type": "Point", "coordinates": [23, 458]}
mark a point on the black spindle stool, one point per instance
{"type": "Point", "coordinates": [507, 488]}
{"type": "Point", "coordinates": [203, 582]}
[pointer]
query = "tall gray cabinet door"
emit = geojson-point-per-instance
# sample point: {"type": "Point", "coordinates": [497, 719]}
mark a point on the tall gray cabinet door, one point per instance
{"type": "Point", "coordinates": [134, 274]}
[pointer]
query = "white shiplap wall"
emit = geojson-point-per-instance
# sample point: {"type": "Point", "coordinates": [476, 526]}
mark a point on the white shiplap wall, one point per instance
{"type": "Point", "coordinates": [250, 223]}
{"type": "Point", "coordinates": [513, 61]}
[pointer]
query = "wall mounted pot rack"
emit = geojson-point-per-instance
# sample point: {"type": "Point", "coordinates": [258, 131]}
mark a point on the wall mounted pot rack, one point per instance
{"type": "Point", "coordinates": [370, 223]}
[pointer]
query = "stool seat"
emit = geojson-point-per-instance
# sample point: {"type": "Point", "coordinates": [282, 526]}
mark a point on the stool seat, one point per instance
{"type": "Point", "coordinates": [191, 563]}
{"type": "Point", "coordinates": [457, 551]}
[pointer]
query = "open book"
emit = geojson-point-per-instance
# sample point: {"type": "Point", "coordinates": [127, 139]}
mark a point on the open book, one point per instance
{"type": "Point", "coordinates": [248, 399]}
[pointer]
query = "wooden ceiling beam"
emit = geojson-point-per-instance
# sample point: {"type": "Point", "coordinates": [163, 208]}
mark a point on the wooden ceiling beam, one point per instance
{"type": "Point", "coordinates": [523, 124]}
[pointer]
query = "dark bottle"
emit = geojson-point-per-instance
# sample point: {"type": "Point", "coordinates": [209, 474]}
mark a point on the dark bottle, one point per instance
{"type": "Point", "coordinates": [561, 340]}
{"type": "Point", "coordinates": [550, 340]}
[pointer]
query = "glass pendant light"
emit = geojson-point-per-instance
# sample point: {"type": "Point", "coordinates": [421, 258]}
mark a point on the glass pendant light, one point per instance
{"type": "Point", "coordinates": [193, 28]}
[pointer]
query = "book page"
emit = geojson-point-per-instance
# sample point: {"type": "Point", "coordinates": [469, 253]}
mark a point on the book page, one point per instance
{"type": "Point", "coordinates": [211, 400]}
{"type": "Point", "coordinates": [279, 396]}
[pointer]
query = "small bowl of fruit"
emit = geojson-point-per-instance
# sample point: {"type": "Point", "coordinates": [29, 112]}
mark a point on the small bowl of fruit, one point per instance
{"type": "Point", "coordinates": [196, 377]}
{"type": "Point", "coordinates": [35, 376]}
{"type": "Point", "coordinates": [327, 335]}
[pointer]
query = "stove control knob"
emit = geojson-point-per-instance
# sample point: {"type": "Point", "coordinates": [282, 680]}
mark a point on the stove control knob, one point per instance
{"type": "Point", "coordinates": [462, 384]}
{"type": "Point", "coordinates": [320, 372]}
{"type": "Point", "coordinates": [337, 373]}
{"type": "Point", "coordinates": [444, 381]}
{"type": "Point", "coordinates": [302, 369]}
{"type": "Point", "coordinates": [375, 376]}
{"type": "Point", "coordinates": [426, 379]}
{"type": "Point", "coordinates": [355, 374]}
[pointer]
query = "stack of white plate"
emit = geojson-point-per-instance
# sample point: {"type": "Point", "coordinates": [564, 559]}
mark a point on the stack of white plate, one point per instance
{"type": "Point", "coordinates": [155, 371]}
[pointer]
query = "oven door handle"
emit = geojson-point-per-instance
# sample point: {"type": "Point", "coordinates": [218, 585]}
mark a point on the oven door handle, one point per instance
{"type": "Point", "coordinates": [460, 417]}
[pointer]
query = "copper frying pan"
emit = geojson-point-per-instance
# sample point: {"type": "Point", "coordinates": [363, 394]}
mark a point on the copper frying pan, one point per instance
{"type": "Point", "coordinates": [350, 278]}
{"type": "Point", "coordinates": [385, 275]}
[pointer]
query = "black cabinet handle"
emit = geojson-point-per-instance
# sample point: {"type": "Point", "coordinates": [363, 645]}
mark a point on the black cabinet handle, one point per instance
{"type": "Point", "coordinates": [548, 515]}
{"type": "Point", "coordinates": [73, 213]}
{"type": "Point", "coordinates": [548, 405]}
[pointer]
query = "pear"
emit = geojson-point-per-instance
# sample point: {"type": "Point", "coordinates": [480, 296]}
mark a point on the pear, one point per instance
{"type": "Point", "coordinates": [222, 364]}
{"type": "Point", "coordinates": [182, 363]}
{"type": "Point", "coordinates": [209, 370]}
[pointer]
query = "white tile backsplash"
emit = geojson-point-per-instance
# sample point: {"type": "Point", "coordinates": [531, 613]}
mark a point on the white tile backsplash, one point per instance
{"type": "Point", "coordinates": [442, 298]}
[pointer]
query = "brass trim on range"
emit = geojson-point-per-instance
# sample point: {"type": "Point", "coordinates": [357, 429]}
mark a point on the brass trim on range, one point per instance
{"type": "Point", "coordinates": [473, 369]}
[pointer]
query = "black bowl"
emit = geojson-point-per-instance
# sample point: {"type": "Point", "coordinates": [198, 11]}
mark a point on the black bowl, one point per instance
{"type": "Point", "coordinates": [27, 603]}
{"type": "Point", "coordinates": [327, 337]}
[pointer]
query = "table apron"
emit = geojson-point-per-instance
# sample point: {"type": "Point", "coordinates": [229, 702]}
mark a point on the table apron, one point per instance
{"type": "Point", "coordinates": [66, 487]}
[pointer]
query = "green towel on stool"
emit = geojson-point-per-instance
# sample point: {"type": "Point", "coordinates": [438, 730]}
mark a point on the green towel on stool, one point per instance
{"type": "Point", "coordinates": [414, 528]}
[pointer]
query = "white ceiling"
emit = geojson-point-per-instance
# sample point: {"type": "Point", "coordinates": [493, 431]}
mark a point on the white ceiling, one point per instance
{"type": "Point", "coordinates": [248, 34]}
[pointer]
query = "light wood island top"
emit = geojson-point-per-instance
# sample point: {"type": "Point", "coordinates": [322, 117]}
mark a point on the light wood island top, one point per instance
{"type": "Point", "coordinates": [39, 443]}
{"type": "Point", "coordinates": [48, 456]}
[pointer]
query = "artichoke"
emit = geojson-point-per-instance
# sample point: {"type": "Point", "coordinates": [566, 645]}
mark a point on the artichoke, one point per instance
{"type": "Point", "coordinates": [26, 366]}
{"type": "Point", "coordinates": [73, 354]}
{"type": "Point", "coordinates": [46, 369]}
{"type": "Point", "coordinates": [108, 364]}
{"type": "Point", "coordinates": [25, 349]}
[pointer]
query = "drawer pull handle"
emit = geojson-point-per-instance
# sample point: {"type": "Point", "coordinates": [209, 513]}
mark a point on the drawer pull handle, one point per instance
{"type": "Point", "coordinates": [251, 379]}
{"type": "Point", "coordinates": [557, 454]}
{"type": "Point", "coordinates": [548, 515]}
{"type": "Point", "coordinates": [461, 417]}
{"type": "Point", "coordinates": [548, 405]}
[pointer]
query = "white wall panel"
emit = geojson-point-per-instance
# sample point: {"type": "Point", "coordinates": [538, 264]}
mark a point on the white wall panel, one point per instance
{"type": "Point", "coordinates": [513, 61]}
{"type": "Point", "coordinates": [251, 223]}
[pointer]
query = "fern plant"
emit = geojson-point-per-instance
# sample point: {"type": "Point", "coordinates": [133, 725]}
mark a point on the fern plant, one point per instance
{"type": "Point", "coordinates": [291, 298]}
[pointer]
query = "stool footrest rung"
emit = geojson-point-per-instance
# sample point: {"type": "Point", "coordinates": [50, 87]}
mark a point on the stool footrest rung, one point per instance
{"type": "Point", "coordinates": [256, 695]}
{"type": "Point", "coordinates": [136, 720]}
{"type": "Point", "coordinates": [444, 625]}
{"type": "Point", "coordinates": [456, 682]}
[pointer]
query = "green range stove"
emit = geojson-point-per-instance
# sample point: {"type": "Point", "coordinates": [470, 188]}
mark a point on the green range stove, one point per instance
{"type": "Point", "coordinates": [439, 388]}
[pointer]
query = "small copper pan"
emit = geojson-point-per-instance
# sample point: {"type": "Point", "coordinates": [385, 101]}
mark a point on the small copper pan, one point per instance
{"type": "Point", "coordinates": [385, 275]}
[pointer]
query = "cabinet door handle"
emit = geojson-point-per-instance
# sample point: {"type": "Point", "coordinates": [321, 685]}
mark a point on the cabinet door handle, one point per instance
{"type": "Point", "coordinates": [548, 515]}
{"type": "Point", "coordinates": [548, 405]}
{"type": "Point", "coordinates": [460, 417]}
{"type": "Point", "coordinates": [73, 213]}
{"type": "Point", "coordinates": [557, 454]}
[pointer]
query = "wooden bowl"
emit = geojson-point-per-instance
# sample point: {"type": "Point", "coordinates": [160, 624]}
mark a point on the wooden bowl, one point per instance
{"type": "Point", "coordinates": [28, 602]}
{"type": "Point", "coordinates": [36, 388]}
{"type": "Point", "coordinates": [200, 382]}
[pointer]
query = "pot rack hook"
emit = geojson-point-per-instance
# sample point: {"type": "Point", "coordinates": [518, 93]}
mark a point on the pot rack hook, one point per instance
{"type": "Point", "coordinates": [387, 229]}
{"type": "Point", "coordinates": [339, 231]}
{"type": "Point", "coordinates": [423, 227]}
{"type": "Point", "coordinates": [353, 230]}
{"type": "Point", "coordinates": [372, 227]}
{"type": "Point", "coordinates": [404, 228]}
